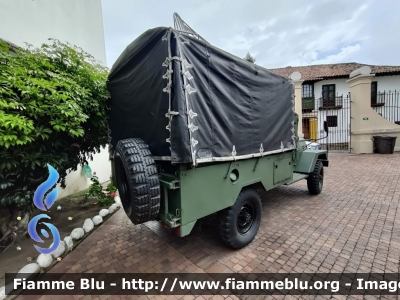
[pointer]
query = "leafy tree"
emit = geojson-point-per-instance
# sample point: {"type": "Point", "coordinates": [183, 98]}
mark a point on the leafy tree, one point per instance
{"type": "Point", "coordinates": [53, 110]}
{"type": "Point", "coordinates": [250, 58]}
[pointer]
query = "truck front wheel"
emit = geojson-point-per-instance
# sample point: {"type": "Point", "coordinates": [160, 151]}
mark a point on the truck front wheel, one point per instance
{"type": "Point", "coordinates": [315, 180]}
{"type": "Point", "coordinates": [238, 224]}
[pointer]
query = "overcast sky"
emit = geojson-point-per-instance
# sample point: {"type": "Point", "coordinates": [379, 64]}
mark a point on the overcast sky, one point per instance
{"type": "Point", "coordinates": [278, 33]}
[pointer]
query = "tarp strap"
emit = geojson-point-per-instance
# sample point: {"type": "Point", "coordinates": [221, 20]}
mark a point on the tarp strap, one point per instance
{"type": "Point", "coordinates": [194, 142]}
{"type": "Point", "coordinates": [167, 89]}
{"type": "Point", "coordinates": [182, 38]}
{"type": "Point", "coordinates": [294, 110]}
{"type": "Point", "coordinates": [189, 89]}
{"type": "Point", "coordinates": [192, 127]}
{"type": "Point", "coordinates": [168, 74]}
{"type": "Point", "coordinates": [185, 65]}
{"type": "Point", "coordinates": [171, 113]}
{"type": "Point", "coordinates": [187, 74]}
{"type": "Point", "coordinates": [293, 133]}
{"type": "Point", "coordinates": [234, 152]}
{"type": "Point", "coordinates": [168, 60]}
{"type": "Point", "coordinates": [192, 114]}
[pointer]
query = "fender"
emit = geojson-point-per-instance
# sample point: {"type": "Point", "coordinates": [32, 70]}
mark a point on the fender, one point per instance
{"type": "Point", "coordinates": [307, 159]}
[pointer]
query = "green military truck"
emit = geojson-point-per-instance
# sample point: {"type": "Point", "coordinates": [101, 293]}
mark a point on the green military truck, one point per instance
{"type": "Point", "coordinates": [196, 131]}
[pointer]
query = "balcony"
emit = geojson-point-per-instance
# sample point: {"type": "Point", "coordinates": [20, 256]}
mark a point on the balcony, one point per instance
{"type": "Point", "coordinates": [308, 104]}
{"type": "Point", "coordinates": [330, 102]}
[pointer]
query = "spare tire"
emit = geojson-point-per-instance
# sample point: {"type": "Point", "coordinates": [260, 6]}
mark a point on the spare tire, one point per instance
{"type": "Point", "coordinates": [137, 180]}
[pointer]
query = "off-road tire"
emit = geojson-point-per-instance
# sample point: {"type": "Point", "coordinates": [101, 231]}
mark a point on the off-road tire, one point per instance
{"type": "Point", "coordinates": [315, 180]}
{"type": "Point", "coordinates": [137, 180]}
{"type": "Point", "coordinates": [229, 229]}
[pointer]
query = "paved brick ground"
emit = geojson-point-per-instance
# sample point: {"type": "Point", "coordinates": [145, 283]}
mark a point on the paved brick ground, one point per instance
{"type": "Point", "coordinates": [353, 226]}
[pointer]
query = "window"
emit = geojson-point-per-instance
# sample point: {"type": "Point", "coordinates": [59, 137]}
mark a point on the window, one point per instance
{"type": "Point", "coordinates": [307, 97]}
{"type": "Point", "coordinates": [307, 91]}
{"type": "Point", "coordinates": [374, 92]}
{"type": "Point", "coordinates": [328, 95]}
{"type": "Point", "coordinates": [332, 121]}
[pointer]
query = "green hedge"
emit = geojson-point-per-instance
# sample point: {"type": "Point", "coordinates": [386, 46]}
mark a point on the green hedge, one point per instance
{"type": "Point", "coordinates": [53, 110]}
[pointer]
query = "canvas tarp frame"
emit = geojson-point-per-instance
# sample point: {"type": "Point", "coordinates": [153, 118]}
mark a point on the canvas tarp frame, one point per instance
{"type": "Point", "coordinates": [194, 103]}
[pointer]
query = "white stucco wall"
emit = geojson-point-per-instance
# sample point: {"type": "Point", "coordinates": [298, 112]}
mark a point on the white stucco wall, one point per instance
{"type": "Point", "coordinates": [78, 22]}
{"type": "Point", "coordinates": [342, 87]}
{"type": "Point", "coordinates": [388, 83]}
{"type": "Point", "coordinates": [35, 21]}
{"type": "Point", "coordinates": [340, 134]}
{"type": "Point", "coordinates": [385, 83]}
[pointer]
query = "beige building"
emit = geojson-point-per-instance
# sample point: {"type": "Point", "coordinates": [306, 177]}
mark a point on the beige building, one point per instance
{"type": "Point", "coordinates": [325, 96]}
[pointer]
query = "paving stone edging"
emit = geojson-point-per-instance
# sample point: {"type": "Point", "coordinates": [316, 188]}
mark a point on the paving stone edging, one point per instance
{"type": "Point", "coordinates": [45, 261]}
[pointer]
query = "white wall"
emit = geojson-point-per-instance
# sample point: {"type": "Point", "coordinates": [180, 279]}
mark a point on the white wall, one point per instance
{"type": "Point", "coordinates": [76, 181]}
{"type": "Point", "coordinates": [337, 134]}
{"type": "Point", "coordinates": [388, 83]}
{"type": "Point", "coordinates": [35, 21]}
{"type": "Point", "coordinates": [385, 83]}
{"type": "Point", "coordinates": [340, 134]}
{"type": "Point", "coordinates": [78, 22]}
{"type": "Point", "coordinates": [342, 87]}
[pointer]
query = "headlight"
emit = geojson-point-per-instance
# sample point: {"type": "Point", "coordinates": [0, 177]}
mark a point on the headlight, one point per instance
{"type": "Point", "coordinates": [314, 147]}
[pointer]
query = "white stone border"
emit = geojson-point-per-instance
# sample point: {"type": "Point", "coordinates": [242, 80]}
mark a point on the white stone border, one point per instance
{"type": "Point", "coordinates": [44, 261]}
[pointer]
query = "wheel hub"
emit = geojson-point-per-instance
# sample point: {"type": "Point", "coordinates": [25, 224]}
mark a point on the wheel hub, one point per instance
{"type": "Point", "coordinates": [245, 218]}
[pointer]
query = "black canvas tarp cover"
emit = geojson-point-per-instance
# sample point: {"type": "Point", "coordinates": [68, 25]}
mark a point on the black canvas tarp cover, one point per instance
{"type": "Point", "coordinates": [192, 102]}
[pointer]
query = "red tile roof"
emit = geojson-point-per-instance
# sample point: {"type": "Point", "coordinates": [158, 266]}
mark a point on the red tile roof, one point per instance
{"type": "Point", "coordinates": [319, 72]}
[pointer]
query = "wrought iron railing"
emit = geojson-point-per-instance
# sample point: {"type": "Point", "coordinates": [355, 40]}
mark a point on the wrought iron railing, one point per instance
{"type": "Point", "coordinates": [336, 112]}
{"type": "Point", "coordinates": [387, 104]}
{"type": "Point", "coordinates": [308, 103]}
{"type": "Point", "coordinates": [332, 102]}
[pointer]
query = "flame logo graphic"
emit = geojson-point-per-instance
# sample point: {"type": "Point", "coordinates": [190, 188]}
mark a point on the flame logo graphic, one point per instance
{"type": "Point", "coordinates": [32, 232]}
{"type": "Point", "coordinates": [44, 187]}
{"type": "Point", "coordinates": [45, 205]}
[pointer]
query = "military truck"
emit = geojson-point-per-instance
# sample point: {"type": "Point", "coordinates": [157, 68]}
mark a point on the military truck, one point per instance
{"type": "Point", "coordinates": [196, 131]}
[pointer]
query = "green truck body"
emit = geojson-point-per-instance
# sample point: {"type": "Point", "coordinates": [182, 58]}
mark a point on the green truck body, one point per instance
{"type": "Point", "coordinates": [197, 131]}
{"type": "Point", "coordinates": [189, 194]}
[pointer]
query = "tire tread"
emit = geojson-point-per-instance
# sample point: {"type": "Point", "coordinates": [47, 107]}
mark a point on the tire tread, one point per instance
{"type": "Point", "coordinates": [313, 179]}
{"type": "Point", "coordinates": [141, 171]}
{"type": "Point", "coordinates": [227, 219]}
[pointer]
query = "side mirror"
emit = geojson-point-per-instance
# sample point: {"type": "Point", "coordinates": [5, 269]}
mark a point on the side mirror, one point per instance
{"type": "Point", "coordinates": [326, 127]}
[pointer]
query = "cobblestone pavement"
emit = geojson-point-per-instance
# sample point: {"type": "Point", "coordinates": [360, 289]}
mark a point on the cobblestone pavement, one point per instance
{"type": "Point", "coordinates": [352, 226]}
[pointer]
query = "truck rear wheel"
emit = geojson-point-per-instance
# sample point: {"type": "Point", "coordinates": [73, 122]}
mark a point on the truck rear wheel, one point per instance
{"type": "Point", "coordinates": [238, 224]}
{"type": "Point", "coordinates": [137, 180]}
{"type": "Point", "coordinates": [315, 180]}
